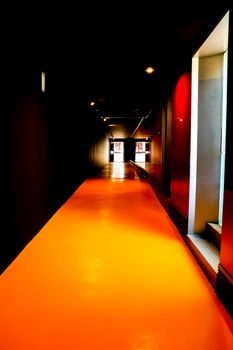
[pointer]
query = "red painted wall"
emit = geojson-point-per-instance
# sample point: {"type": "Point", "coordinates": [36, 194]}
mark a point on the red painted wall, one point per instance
{"type": "Point", "coordinates": [226, 257]}
{"type": "Point", "coordinates": [181, 117]}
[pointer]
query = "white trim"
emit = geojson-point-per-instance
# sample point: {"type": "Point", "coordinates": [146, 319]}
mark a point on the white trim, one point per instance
{"type": "Point", "coordinates": [193, 145]}
{"type": "Point", "coordinates": [223, 138]}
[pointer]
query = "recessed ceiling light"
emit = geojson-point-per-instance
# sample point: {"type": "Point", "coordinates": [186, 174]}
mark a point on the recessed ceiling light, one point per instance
{"type": "Point", "coordinates": [149, 70]}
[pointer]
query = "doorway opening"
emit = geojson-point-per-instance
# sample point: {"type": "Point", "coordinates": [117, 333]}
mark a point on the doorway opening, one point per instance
{"type": "Point", "coordinates": [117, 151]}
{"type": "Point", "coordinates": [142, 151]}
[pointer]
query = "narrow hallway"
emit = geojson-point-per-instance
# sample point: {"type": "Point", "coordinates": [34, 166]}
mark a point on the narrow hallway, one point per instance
{"type": "Point", "coordinates": [110, 271]}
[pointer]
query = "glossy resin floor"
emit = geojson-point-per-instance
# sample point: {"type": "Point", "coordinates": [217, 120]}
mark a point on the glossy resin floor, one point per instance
{"type": "Point", "coordinates": [109, 271]}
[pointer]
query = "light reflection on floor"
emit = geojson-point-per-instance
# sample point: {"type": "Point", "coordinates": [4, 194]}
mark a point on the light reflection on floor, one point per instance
{"type": "Point", "coordinates": [118, 171]}
{"type": "Point", "coordinates": [110, 272]}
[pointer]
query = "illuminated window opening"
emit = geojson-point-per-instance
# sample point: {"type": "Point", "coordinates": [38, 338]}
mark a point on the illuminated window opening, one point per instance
{"type": "Point", "coordinates": [117, 151]}
{"type": "Point", "coordinates": [206, 193]}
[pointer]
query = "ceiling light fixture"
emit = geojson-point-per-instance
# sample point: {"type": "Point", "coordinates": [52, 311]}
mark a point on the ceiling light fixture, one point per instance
{"type": "Point", "coordinates": [149, 70]}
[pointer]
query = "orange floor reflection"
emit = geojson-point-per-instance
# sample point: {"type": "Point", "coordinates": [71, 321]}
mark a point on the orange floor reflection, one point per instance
{"type": "Point", "coordinates": [109, 271]}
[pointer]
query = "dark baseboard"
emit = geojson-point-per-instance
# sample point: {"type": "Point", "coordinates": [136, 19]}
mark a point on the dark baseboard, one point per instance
{"type": "Point", "coordinates": [155, 185]}
{"type": "Point", "coordinates": [224, 289]}
{"type": "Point", "coordinates": [179, 219]}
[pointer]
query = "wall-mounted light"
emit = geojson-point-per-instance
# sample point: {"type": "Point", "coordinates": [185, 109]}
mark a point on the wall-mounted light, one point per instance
{"type": "Point", "coordinates": [43, 81]}
{"type": "Point", "coordinates": [92, 103]}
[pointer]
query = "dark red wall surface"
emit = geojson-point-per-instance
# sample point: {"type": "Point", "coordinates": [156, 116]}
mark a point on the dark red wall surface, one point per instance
{"type": "Point", "coordinates": [181, 116]}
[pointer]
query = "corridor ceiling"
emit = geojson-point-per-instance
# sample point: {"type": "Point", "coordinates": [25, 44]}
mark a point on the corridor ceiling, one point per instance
{"type": "Point", "coordinates": [100, 51]}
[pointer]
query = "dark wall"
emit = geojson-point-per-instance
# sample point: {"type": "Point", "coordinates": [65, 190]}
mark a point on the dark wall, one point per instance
{"type": "Point", "coordinates": [21, 184]}
{"type": "Point", "coordinates": [151, 129]}
{"type": "Point", "coordinates": [50, 143]}
{"type": "Point", "coordinates": [129, 150]}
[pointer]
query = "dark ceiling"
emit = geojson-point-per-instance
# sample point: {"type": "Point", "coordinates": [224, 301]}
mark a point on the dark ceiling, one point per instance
{"type": "Point", "coordinates": [100, 51]}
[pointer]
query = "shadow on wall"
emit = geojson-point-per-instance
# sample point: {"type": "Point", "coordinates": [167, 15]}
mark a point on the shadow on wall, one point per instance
{"type": "Point", "coordinates": [44, 161]}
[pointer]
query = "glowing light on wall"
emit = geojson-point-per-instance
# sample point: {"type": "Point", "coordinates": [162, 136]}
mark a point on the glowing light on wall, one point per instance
{"type": "Point", "coordinates": [181, 102]}
{"type": "Point", "coordinates": [43, 81]}
{"type": "Point", "coordinates": [181, 142]}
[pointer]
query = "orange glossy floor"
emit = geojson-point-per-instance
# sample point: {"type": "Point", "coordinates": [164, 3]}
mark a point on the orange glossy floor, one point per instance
{"type": "Point", "coordinates": [109, 271]}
